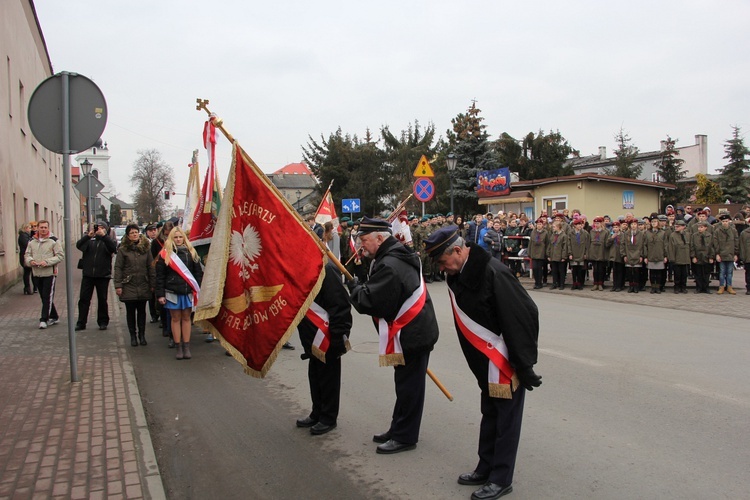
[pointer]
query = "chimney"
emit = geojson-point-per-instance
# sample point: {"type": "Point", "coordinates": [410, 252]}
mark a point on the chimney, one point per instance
{"type": "Point", "coordinates": [662, 146]}
{"type": "Point", "coordinates": [603, 152]}
{"type": "Point", "coordinates": [702, 142]}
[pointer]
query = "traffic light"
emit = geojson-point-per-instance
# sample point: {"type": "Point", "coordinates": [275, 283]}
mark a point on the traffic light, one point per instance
{"type": "Point", "coordinates": [166, 195]}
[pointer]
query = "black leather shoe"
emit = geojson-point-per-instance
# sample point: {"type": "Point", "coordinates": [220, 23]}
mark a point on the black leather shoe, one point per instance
{"type": "Point", "coordinates": [154, 320]}
{"type": "Point", "coordinates": [102, 327]}
{"type": "Point", "coordinates": [306, 422]}
{"type": "Point", "coordinates": [491, 491]}
{"type": "Point", "coordinates": [287, 346]}
{"type": "Point", "coordinates": [381, 438]}
{"type": "Point", "coordinates": [321, 428]}
{"type": "Point", "coordinates": [392, 446]}
{"type": "Point", "coordinates": [80, 327]}
{"type": "Point", "coordinates": [472, 478]}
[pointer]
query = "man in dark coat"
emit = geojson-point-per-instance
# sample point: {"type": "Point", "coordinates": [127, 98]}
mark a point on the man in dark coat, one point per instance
{"type": "Point", "coordinates": [395, 295]}
{"type": "Point", "coordinates": [324, 334]}
{"type": "Point", "coordinates": [98, 248]}
{"type": "Point", "coordinates": [498, 328]}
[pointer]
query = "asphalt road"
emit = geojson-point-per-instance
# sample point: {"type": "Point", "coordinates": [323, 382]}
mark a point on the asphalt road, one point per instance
{"type": "Point", "coordinates": [637, 402]}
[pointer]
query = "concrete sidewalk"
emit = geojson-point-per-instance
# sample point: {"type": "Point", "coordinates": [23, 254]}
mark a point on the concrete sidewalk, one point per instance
{"type": "Point", "coordinates": [59, 439]}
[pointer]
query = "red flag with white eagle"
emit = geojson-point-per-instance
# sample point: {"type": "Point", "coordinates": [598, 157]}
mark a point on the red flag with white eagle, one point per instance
{"type": "Point", "coordinates": [327, 210]}
{"type": "Point", "coordinates": [263, 272]}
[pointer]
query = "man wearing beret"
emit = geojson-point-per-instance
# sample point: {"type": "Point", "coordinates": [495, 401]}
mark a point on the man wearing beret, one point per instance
{"type": "Point", "coordinates": [395, 295]}
{"type": "Point", "coordinates": [498, 328]}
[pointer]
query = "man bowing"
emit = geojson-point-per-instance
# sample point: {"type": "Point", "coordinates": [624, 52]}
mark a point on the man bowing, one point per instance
{"type": "Point", "coordinates": [498, 327]}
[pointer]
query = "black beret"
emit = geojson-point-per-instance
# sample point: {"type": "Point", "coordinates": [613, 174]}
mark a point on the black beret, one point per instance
{"type": "Point", "coordinates": [369, 225]}
{"type": "Point", "coordinates": [725, 217]}
{"type": "Point", "coordinates": [438, 241]}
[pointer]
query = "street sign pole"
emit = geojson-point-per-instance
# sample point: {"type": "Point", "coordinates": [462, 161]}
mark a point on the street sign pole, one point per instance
{"type": "Point", "coordinates": [67, 114]}
{"type": "Point", "coordinates": [67, 180]}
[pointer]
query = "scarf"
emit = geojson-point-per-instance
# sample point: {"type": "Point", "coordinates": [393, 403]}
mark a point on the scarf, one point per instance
{"type": "Point", "coordinates": [322, 341]}
{"type": "Point", "coordinates": [391, 353]}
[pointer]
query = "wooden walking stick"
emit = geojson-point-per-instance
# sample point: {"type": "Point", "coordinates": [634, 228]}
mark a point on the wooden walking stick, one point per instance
{"type": "Point", "coordinates": [440, 385]}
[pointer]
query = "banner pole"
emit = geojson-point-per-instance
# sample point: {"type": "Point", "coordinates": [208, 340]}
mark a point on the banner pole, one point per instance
{"type": "Point", "coordinates": [219, 123]}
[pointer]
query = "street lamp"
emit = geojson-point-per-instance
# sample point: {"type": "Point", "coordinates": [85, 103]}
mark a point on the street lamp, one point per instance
{"type": "Point", "coordinates": [86, 167]}
{"type": "Point", "coordinates": [298, 193]}
{"type": "Point", "coordinates": [451, 161]}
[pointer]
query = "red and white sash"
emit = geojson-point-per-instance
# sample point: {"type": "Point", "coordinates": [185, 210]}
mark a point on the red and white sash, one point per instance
{"type": "Point", "coordinates": [502, 378]}
{"type": "Point", "coordinates": [391, 353]}
{"type": "Point", "coordinates": [180, 268]}
{"type": "Point", "coordinates": [322, 341]}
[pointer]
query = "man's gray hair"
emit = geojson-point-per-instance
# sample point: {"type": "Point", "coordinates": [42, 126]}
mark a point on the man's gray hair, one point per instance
{"type": "Point", "coordinates": [458, 243]}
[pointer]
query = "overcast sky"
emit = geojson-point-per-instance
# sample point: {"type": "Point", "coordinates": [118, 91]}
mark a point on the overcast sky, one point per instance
{"type": "Point", "coordinates": [279, 71]}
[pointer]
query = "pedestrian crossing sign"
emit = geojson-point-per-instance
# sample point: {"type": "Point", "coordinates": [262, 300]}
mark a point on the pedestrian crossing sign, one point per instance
{"type": "Point", "coordinates": [423, 168]}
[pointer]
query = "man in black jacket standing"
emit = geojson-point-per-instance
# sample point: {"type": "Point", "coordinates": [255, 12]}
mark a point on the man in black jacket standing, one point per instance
{"type": "Point", "coordinates": [498, 328]}
{"type": "Point", "coordinates": [395, 295]}
{"type": "Point", "coordinates": [324, 334]}
{"type": "Point", "coordinates": [98, 249]}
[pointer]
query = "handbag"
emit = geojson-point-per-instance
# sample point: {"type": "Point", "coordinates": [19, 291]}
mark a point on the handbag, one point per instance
{"type": "Point", "coordinates": [80, 263]}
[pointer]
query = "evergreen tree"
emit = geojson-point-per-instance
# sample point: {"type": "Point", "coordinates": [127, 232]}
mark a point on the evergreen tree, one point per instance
{"type": "Point", "coordinates": [732, 177]}
{"type": "Point", "coordinates": [468, 140]}
{"type": "Point", "coordinates": [707, 192]}
{"type": "Point", "coordinates": [669, 167]}
{"type": "Point", "coordinates": [625, 156]}
{"type": "Point", "coordinates": [536, 156]}
{"type": "Point", "coordinates": [115, 215]}
{"type": "Point", "coordinates": [356, 167]}
{"type": "Point", "coordinates": [402, 156]}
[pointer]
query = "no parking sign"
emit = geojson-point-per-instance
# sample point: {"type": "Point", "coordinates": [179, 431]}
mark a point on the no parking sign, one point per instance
{"type": "Point", "coordinates": [424, 189]}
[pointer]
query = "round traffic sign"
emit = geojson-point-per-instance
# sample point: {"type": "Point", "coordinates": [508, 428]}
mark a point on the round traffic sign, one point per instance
{"type": "Point", "coordinates": [87, 112]}
{"type": "Point", "coordinates": [424, 189]}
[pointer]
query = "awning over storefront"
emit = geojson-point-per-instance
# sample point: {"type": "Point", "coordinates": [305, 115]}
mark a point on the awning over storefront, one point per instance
{"type": "Point", "coordinates": [514, 197]}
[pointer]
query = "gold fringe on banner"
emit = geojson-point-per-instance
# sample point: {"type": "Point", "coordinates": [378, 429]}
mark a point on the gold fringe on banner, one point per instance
{"type": "Point", "coordinates": [391, 359]}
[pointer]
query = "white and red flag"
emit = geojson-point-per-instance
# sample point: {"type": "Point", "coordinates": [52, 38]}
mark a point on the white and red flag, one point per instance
{"type": "Point", "coordinates": [193, 194]}
{"type": "Point", "coordinates": [205, 213]}
{"type": "Point", "coordinates": [327, 210]}
{"type": "Point", "coordinates": [264, 269]}
{"type": "Point", "coordinates": [400, 227]}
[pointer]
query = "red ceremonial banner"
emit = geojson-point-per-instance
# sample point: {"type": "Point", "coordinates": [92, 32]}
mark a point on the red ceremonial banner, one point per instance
{"type": "Point", "coordinates": [263, 271]}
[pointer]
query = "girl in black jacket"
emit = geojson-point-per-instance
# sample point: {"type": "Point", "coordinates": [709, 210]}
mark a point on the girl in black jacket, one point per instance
{"type": "Point", "coordinates": [174, 288]}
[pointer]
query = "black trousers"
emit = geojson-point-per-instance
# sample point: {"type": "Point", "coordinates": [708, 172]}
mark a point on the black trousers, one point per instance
{"type": "Point", "coordinates": [538, 267]}
{"type": "Point", "coordinates": [578, 273]}
{"type": "Point", "coordinates": [558, 269]}
{"type": "Point", "coordinates": [600, 271]}
{"type": "Point", "coordinates": [135, 312]}
{"type": "Point", "coordinates": [410, 390]}
{"type": "Point", "coordinates": [618, 275]}
{"type": "Point", "coordinates": [634, 275]}
{"type": "Point", "coordinates": [46, 287]}
{"type": "Point", "coordinates": [152, 306]}
{"type": "Point", "coordinates": [680, 275]}
{"type": "Point", "coordinates": [702, 276]}
{"type": "Point", "coordinates": [27, 279]}
{"type": "Point", "coordinates": [499, 434]}
{"type": "Point", "coordinates": [325, 389]}
{"type": "Point", "coordinates": [655, 277]}
{"type": "Point", "coordinates": [84, 302]}
{"type": "Point", "coordinates": [747, 276]}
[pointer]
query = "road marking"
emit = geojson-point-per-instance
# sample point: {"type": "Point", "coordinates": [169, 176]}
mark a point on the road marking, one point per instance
{"type": "Point", "coordinates": [713, 395]}
{"type": "Point", "coordinates": [575, 359]}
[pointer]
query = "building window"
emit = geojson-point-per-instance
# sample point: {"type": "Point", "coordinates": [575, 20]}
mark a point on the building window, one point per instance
{"type": "Point", "coordinates": [22, 105]}
{"type": "Point", "coordinates": [8, 80]}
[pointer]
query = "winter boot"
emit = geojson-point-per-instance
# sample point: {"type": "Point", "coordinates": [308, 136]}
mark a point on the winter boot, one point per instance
{"type": "Point", "coordinates": [180, 354]}
{"type": "Point", "coordinates": [142, 338]}
{"type": "Point", "coordinates": [731, 291]}
{"type": "Point", "coordinates": [721, 290]}
{"type": "Point", "coordinates": [133, 340]}
{"type": "Point", "coordinates": [186, 350]}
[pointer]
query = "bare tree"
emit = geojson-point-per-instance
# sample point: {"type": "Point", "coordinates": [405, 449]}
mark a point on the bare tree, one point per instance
{"type": "Point", "coordinates": [151, 178]}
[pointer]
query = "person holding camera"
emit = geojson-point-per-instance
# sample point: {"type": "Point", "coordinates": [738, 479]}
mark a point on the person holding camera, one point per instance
{"type": "Point", "coordinates": [98, 248]}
